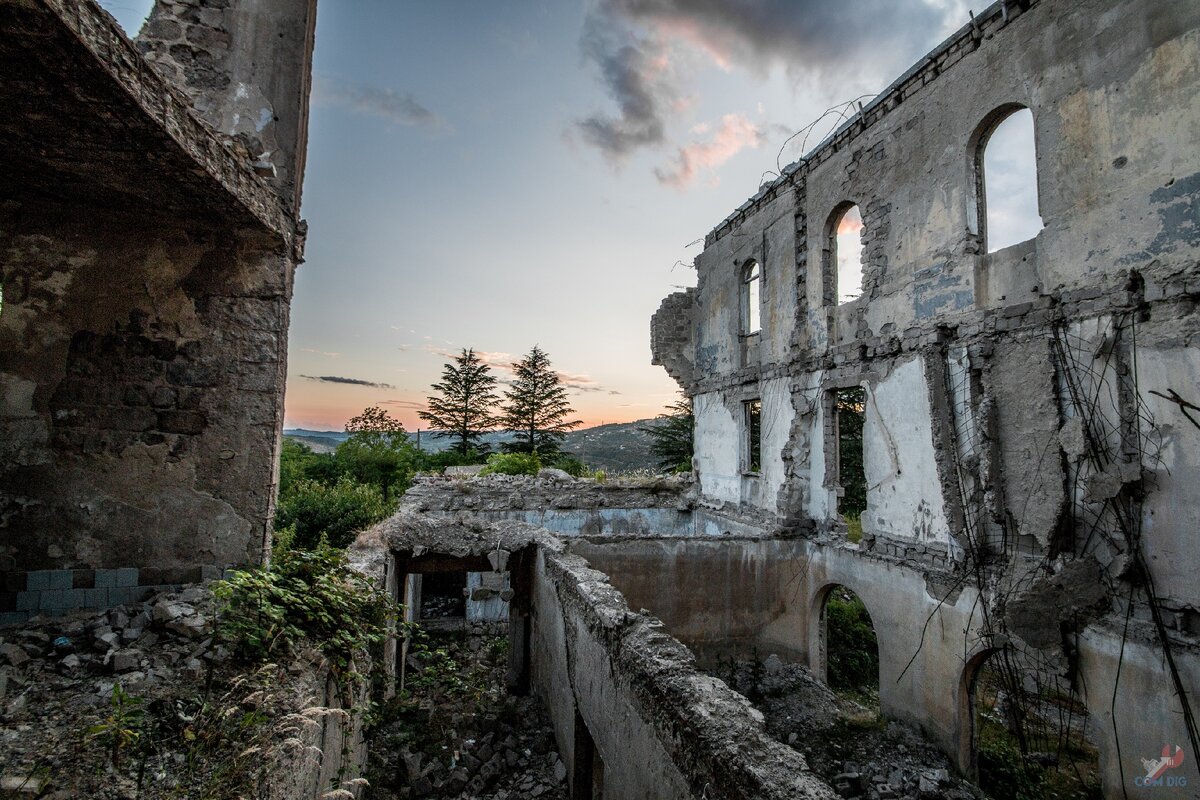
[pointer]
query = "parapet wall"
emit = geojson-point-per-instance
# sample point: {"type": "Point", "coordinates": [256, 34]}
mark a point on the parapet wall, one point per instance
{"type": "Point", "coordinates": [662, 728]}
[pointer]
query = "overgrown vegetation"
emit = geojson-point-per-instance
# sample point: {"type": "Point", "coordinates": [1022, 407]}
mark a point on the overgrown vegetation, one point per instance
{"type": "Point", "coordinates": [1026, 747]}
{"type": "Point", "coordinates": [304, 594]}
{"type": "Point", "coordinates": [850, 407]}
{"type": "Point", "coordinates": [512, 464]}
{"type": "Point", "coordinates": [332, 496]}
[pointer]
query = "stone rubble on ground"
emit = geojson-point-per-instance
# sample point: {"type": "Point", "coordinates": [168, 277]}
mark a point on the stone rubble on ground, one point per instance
{"type": "Point", "coordinates": [846, 743]}
{"type": "Point", "coordinates": [57, 676]}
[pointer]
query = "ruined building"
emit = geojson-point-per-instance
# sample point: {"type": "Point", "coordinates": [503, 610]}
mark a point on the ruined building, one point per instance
{"type": "Point", "coordinates": [1030, 447]}
{"type": "Point", "coordinates": [149, 232]}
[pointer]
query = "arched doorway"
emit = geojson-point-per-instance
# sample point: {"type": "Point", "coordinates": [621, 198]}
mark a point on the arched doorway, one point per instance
{"type": "Point", "coordinates": [1029, 731]}
{"type": "Point", "coordinates": [849, 648]}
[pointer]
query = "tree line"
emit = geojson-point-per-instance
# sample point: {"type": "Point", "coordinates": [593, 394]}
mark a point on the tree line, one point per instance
{"type": "Point", "coordinates": [332, 496]}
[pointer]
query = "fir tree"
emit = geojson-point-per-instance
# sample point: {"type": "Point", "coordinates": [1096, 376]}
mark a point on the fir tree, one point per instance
{"type": "Point", "coordinates": [463, 407]}
{"type": "Point", "coordinates": [536, 407]}
{"type": "Point", "coordinates": [671, 437]}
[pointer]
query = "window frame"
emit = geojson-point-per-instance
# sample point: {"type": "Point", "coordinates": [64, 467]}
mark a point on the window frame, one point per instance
{"type": "Point", "coordinates": [752, 436]}
{"type": "Point", "coordinates": [750, 300]}
{"type": "Point", "coordinates": [976, 154]}
{"type": "Point", "coordinates": [830, 284]}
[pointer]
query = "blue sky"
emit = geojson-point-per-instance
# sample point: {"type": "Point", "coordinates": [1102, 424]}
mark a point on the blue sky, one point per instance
{"type": "Point", "coordinates": [503, 174]}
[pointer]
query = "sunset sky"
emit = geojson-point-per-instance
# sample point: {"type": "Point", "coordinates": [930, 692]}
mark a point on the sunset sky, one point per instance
{"type": "Point", "coordinates": [502, 174]}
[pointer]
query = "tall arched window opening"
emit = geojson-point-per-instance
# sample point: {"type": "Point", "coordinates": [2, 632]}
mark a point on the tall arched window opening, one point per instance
{"type": "Point", "coordinates": [1006, 168]}
{"type": "Point", "coordinates": [846, 254]}
{"type": "Point", "coordinates": [751, 298]}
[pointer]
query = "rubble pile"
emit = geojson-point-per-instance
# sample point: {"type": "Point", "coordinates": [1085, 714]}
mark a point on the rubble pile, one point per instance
{"type": "Point", "coordinates": [134, 702]}
{"type": "Point", "coordinates": [57, 678]}
{"type": "Point", "coordinates": [457, 733]}
{"type": "Point", "coordinates": [843, 737]}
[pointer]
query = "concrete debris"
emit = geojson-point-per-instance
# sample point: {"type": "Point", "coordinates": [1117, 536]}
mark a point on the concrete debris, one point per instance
{"type": "Point", "coordinates": [487, 745]}
{"type": "Point", "coordinates": [843, 740]}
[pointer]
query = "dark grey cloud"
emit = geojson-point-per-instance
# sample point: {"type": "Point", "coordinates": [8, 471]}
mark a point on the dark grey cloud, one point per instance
{"type": "Point", "coordinates": [631, 69]}
{"type": "Point", "coordinates": [844, 43]}
{"type": "Point", "coordinates": [350, 381]}
{"type": "Point", "coordinates": [411, 405]}
{"type": "Point", "coordinates": [403, 108]}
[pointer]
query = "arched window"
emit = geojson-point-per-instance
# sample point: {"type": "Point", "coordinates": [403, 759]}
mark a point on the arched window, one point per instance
{"type": "Point", "coordinates": [751, 288]}
{"type": "Point", "coordinates": [844, 270]}
{"type": "Point", "coordinates": [1006, 179]}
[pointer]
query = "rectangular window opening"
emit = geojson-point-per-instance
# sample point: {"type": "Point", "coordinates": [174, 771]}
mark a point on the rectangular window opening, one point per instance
{"type": "Point", "coordinates": [443, 595]}
{"type": "Point", "coordinates": [849, 409]}
{"type": "Point", "coordinates": [753, 423]}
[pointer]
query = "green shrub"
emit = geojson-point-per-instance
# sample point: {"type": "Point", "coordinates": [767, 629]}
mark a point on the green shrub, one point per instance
{"type": "Point", "coordinates": [305, 594]}
{"type": "Point", "coordinates": [854, 530]}
{"type": "Point", "coordinates": [570, 465]}
{"type": "Point", "coordinates": [120, 730]}
{"type": "Point", "coordinates": [512, 464]}
{"type": "Point", "coordinates": [337, 512]}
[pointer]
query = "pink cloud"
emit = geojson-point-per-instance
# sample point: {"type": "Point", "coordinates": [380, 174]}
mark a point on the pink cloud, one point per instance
{"type": "Point", "coordinates": [734, 133]}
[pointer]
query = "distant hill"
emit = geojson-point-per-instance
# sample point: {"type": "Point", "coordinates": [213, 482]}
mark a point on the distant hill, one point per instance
{"type": "Point", "coordinates": [619, 446]}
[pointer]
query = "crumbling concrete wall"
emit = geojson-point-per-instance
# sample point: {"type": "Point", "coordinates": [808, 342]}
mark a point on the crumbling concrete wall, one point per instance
{"type": "Point", "coordinates": [230, 57]}
{"type": "Point", "coordinates": [611, 678]}
{"type": "Point", "coordinates": [146, 271]}
{"type": "Point", "coordinates": [731, 597]}
{"type": "Point", "coordinates": [663, 729]}
{"type": "Point", "coordinates": [1025, 408]}
{"type": "Point", "coordinates": [584, 507]}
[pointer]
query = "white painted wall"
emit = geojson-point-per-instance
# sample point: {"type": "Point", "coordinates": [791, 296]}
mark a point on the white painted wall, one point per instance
{"type": "Point", "coordinates": [904, 495]}
{"type": "Point", "coordinates": [718, 449]}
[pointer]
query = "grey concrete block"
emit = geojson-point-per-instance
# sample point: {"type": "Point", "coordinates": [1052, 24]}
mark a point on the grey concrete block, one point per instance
{"type": "Point", "coordinates": [118, 596]}
{"type": "Point", "coordinates": [58, 600]}
{"type": "Point", "coordinates": [94, 598]}
{"type": "Point", "coordinates": [28, 601]}
{"type": "Point", "coordinates": [62, 579]}
{"type": "Point", "coordinates": [106, 578]}
{"type": "Point", "coordinates": [37, 580]}
{"type": "Point", "coordinates": [13, 617]}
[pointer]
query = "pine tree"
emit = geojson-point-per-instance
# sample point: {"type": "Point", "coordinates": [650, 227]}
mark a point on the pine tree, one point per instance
{"type": "Point", "coordinates": [463, 409]}
{"type": "Point", "coordinates": [536, 407]}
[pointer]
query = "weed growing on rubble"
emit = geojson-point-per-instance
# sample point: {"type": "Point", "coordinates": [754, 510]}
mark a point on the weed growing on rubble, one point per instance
{"type": "Point", "coordinates": [309, 594]}
{"type": "Point", "coordinates": [121, 729]}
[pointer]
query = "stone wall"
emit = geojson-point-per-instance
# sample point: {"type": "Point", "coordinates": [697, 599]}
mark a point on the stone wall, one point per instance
{"type": "Point", "coordinates": [227, 56]}
{"type": "Point", "coordinates": [146, 269]}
